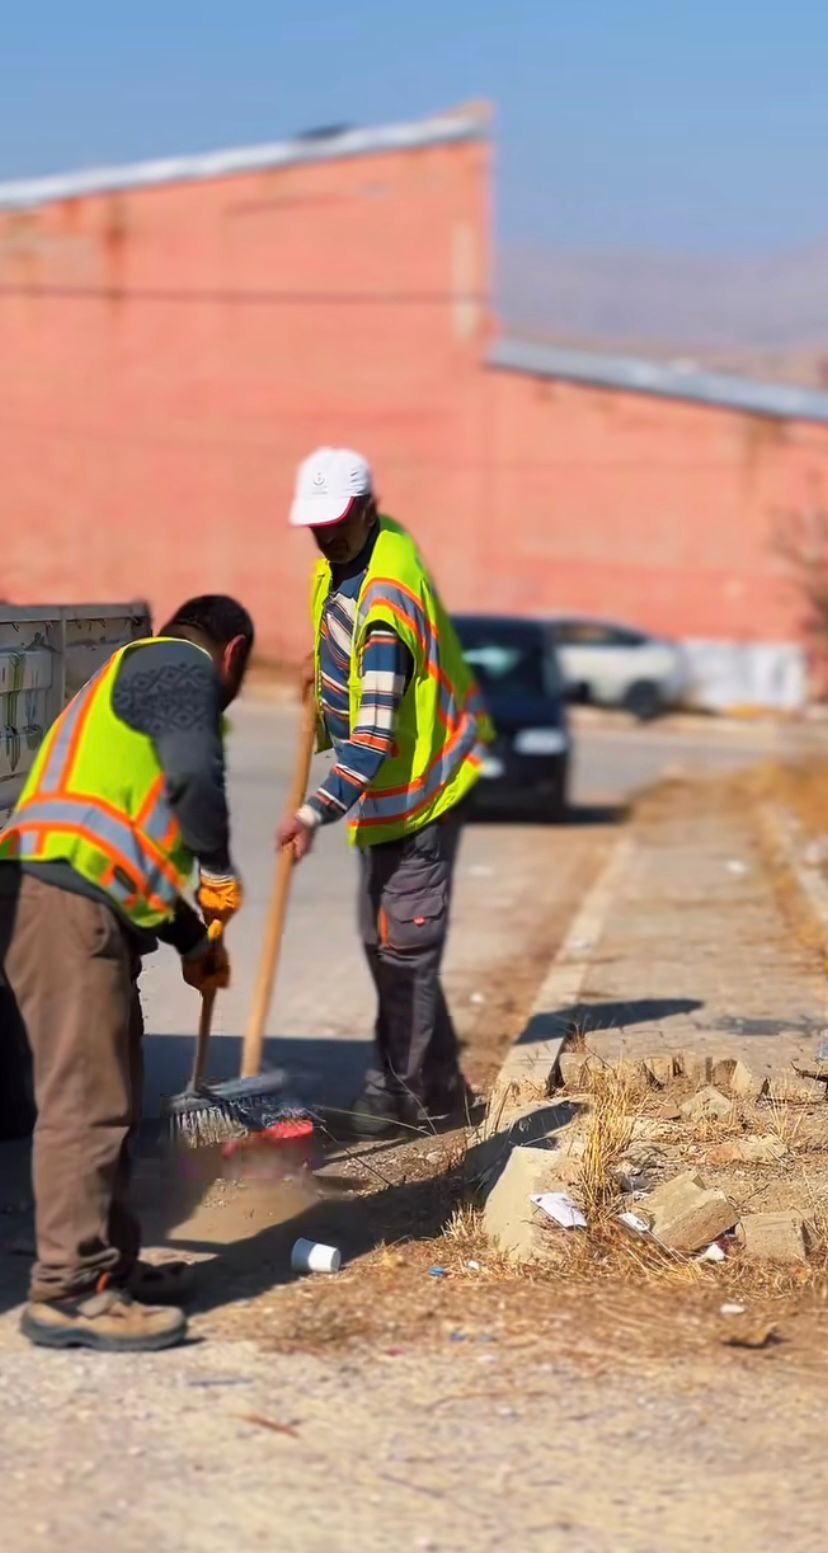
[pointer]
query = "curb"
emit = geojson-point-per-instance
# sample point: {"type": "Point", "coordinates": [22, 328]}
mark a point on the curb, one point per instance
{"type": "Point", "coordinates": [530, 1062]}
{"type": "Point", "coordinates": [784, 834]}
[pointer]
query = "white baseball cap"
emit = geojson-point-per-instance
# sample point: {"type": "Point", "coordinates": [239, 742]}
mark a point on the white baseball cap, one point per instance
{"type": "Point", "coordinates": [327, 484]}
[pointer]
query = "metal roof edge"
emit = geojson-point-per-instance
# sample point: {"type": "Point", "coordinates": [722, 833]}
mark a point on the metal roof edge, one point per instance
{"type": "Point", "coordinates": [662, 379]}
{"type": "Point", "coordinates": [444, 129]}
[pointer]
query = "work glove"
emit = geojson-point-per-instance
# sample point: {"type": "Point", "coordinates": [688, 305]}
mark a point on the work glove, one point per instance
{"type": "Point", "coordinates": [219, 897]}
{"type": "Point", "coordinates": [207, 968]}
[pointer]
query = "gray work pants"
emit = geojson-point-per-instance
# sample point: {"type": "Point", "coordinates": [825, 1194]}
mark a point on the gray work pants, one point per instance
{"type": "Point", "coordinates": [404, 906]}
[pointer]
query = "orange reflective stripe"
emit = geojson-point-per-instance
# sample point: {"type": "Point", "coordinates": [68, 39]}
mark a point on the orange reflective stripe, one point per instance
{"type": "Point", "coordinates": [150, 801]}
{"type": "Point", "coordinates": [116, 858]}
{"type": "Point", "coordinates": [401, 615]}
{"type": "Point", "coordinates": [400, 587]}
{"type": "Point", "coordinates": [420, 781]}
{"type": "Point", "coordinates": [162, 863]}
{"type": "Point", "coordinates": [93, 690]}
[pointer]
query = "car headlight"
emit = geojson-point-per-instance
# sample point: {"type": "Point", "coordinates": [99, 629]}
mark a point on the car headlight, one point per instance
{"type": "Point", "coordinates": [540, 741]}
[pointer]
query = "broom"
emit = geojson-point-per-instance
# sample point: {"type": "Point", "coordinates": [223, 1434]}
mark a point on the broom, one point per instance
{"type": "Point", "coordinates": [252, 1104]}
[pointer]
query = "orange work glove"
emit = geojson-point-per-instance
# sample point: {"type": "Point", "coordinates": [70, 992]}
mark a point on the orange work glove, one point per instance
{"type": "Point", "coordinates": [209, 969]}
{"type": "Point", "coordinates": [219, 897]}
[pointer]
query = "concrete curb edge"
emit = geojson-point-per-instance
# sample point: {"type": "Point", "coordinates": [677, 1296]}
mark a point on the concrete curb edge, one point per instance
{"type": "Point", "coordinates": [531, 1060]}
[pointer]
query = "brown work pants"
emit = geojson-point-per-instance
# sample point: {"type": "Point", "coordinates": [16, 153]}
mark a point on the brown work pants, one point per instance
{"type": "Point", "coordinates": [73, 976]}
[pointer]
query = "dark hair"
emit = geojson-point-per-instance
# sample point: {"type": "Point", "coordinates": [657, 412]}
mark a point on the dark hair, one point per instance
{"type": "Point", "coordinates": [215, 616]}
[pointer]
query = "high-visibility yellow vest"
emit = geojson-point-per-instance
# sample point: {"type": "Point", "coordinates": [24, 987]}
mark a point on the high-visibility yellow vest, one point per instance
{"type": "Point", "coordinates": [96, 799]}
{"type": "Point", "coordinates": [442, 723]}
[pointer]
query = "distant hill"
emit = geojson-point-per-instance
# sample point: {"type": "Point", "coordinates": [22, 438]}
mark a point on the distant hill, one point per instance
{"type": "Point", "coordinates": [766, 315]}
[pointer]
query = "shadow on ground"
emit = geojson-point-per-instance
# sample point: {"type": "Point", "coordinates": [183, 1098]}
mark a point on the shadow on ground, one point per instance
{"type": "Point", "coordinates": [591, 1018]}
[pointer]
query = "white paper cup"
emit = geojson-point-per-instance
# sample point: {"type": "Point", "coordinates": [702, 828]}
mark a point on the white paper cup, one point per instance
{"type": "Point", "coordinates": [308, 1256]}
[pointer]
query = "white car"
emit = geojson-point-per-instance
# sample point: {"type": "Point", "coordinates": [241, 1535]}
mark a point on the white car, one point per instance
{"type": "Point", "coordinates": [615, 665]}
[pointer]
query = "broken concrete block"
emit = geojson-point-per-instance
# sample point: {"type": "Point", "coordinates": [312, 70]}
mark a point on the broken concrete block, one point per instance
{"type": "Point", "coordinates": [745, 1083]}
{"type": "Point", "coordinates": [510, 1219]}
{"type": "Point", "coordinates": [647, 1129]}
{"type": "Point", "coordinates": [629, 1073]}
{"type": "Point", "coordinates": [753, 1150]}
{"type": "Point", "coordinates": [779, 1237]}
{"type": "Point", "coordinates": [794, 1089]}
{"type": "Point", "coordinates": [708, 1105]}
{"type": "Point", "coordinates": [694, 1067]}
{"type": "Point", "coordinates": [660, 1070]}
{"type": "Point", "coordinates": [685, 1215]}
{"type": "Point", "coordinates": [574, 1068]}
{"type": "Point", "coordinates": [721, 1071]}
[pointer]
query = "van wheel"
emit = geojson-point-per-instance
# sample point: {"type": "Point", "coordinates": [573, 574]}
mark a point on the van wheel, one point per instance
{"type": "Point", "coordinates": [643, 699]}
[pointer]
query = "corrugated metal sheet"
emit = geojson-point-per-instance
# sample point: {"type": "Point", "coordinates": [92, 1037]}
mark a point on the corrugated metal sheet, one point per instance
{"type": "Point", "coordinates": [46, 655]}
{"type": "Point", "coordinates": [663, 379]}
{"type": "Point", "coordinates": [223, 164]}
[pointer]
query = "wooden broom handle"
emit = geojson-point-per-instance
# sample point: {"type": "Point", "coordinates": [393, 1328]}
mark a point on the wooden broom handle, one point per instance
{"type": "Point", "coordinates": [254, 1036]}
{"type": "Point", "coordinates": [205, 1023]}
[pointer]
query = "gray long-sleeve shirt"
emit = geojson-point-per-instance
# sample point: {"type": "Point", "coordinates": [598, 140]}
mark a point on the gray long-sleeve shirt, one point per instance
{"type": "Point", "coordinates": [171, 691]}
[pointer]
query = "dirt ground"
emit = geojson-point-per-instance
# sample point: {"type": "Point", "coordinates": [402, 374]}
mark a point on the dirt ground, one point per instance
{"type": "Point", "coordinates": [431, 1396]}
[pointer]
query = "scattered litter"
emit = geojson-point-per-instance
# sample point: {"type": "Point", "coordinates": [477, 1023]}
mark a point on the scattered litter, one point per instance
{"type": "Point", "coordinates": [560, 1207]}
{"type": "Point", "coordinates": [822, 1051]}
{"type": "Point", "coordinates": [458, 1337]}
{"type": "Point", "coordinates": [437, 1272]}
{"type": "Point", "coordinates": [477, 997]}
{"type": "Point", "coordinates": [634, 1222]}
{"type": "Point", "coordinates": [737, 867]}
{"type": "Point", "coordinates": [480, 871]}
{"type": "Point", "coordinates": [581, 943]}
{"type": "Point", "coordinates": [310, 1256]}
{"type": "Point", "coordinates": [712, 1253]}
{"type": "Point", "coordinates": [476, 1267]}
{"type": "Point", "coordinates": [729, 1309]}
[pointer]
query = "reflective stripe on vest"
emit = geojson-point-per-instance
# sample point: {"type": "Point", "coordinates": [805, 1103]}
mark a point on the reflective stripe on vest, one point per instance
{"type": "Point", "coordinates": [127, 848]}
{"type": "Point", "coordinates": [61, 754]}
{"type": "Point", "coordinates": [135, 849]}
{"type": "Point", "coordinates": [401, 601]}
{"type": "Point", "coordinates": [400, 803]}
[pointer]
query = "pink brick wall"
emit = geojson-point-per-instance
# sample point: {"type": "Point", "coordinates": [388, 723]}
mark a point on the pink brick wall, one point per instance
{"type": "Point", "coordinates": [170, 354]}
{"type": "Point", "coordinates": [663, 513]}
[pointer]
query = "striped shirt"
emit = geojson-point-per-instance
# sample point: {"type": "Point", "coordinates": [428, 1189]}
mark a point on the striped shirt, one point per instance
{"type": "Point", "coordinates": [387, 666]}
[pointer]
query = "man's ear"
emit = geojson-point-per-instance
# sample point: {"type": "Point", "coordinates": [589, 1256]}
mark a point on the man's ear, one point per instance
{"type": "Point", "coordinates": [233, 656]}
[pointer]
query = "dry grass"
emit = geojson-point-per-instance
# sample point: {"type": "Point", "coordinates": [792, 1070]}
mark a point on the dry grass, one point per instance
{"type": "Point", "coordinates": [784, 1121]}
{"type": "Point", "coordinates": [609, 1133]}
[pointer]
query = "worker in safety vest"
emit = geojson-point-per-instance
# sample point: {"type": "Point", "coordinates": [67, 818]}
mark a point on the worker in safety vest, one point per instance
{"type": "Point", "coordinates": [126, 791]}
{"type": "Point", "coordinates": [398, 704]}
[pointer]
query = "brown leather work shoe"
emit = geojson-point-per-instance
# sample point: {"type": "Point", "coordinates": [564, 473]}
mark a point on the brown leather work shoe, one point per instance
{"type": "Point", "coordinates": [109, 1320]}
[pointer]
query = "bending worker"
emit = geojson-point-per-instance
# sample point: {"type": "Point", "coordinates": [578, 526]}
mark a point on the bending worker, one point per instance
{"type": "Point", "coordinates": [398, 704]}
{"type": "Point", "coordinates": [126, 791]}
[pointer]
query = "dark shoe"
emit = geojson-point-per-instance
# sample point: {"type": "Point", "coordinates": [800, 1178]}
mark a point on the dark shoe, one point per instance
{"type": "Point", "coordinates": [452, 1099]}
{"type": "Point", "coordinates": [374, 1116]}
{"type": "Point", "coordinates": [162, 1283]}
{"type": "Point", "coordinates": [109, 1320]}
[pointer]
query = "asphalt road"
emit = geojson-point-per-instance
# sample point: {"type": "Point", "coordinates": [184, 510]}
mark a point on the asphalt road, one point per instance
{"type": "Point", "coordinates": [323, 994]}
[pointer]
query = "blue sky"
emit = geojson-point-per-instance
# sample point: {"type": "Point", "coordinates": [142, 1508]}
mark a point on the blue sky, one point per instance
{"type": "Point", "coordinates": [696, 126]}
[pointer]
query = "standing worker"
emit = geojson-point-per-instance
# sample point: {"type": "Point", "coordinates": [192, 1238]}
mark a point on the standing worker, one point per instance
{"type": "Point", "coordinates": [127, 790]}
{"type": "Point", "coordinates": [398, 704]}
